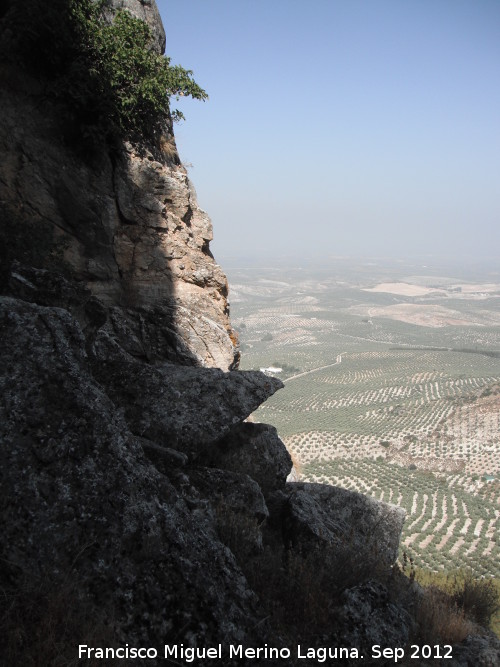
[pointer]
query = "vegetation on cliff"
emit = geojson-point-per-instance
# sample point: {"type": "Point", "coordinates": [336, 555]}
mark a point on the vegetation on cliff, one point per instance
{"type": "Point", "coordinates": [106, 75]}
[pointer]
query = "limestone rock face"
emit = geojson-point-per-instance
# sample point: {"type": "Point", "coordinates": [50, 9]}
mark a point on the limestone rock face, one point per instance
{"type": "Point", "coordinates": [161, 247]}
{"type": "Point", "coordinates": [126, 222]}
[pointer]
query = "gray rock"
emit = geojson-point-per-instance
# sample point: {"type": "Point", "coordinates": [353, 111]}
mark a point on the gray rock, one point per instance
{"type": "Point", "coordinates": [367, 617]}
{"type": "Point", "coordinates": [239, 507]}
{"type": "Point", "coordinates": [476, 651]}
{"type": "Point", "coordinates": [164, 459]}
{"type": "Point", "coordinates": [80, 501]}
{"type": "Point", "coordinates": [256, 450]}
{"type": "Point", "coordinates": [183, 407]}
{"type": "Point", "coordinates": [165, 332]}
{"type": "Point", "coordinates": [180, 407]}
{"type": "Point", "coordinates": [48, 288]}
{"type": "Point", "coordinates": [112, 332]}
{"type": "Point", "coordinates": [364, 530]}
{"type": "Point", "coordinates": [235, 490]}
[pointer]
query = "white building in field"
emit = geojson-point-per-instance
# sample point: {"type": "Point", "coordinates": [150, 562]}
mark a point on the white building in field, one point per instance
{"type": "Point", "coordinates": [272, 370]}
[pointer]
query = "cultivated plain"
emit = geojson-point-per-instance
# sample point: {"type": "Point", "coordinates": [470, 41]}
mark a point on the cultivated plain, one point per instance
{"type": "Point", "coordinates": [392, 388]}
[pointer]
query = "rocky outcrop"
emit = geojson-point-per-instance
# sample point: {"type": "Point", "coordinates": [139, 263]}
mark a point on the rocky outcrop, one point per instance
{"type": "Point", "coordinates": [105, 481]}
{"type": "Point", "coordinates": [80, 496]}
{"type": "Point", "coordinates": [126, 223]}
{"type": "Point", "coordinates": [183, 408]}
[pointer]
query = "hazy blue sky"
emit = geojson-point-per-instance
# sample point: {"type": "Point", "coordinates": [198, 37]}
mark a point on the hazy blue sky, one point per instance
{"type": "Point", "coordinates": [343, 127]}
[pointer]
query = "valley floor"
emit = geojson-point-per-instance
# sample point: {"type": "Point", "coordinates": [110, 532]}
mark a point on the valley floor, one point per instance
{"type": "Point", "coordinates": [392, 388]}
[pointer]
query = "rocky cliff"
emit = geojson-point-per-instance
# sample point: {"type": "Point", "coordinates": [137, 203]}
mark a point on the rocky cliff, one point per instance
{"type": "Point", "coordinates": [126, 223]}
{"type": "Point", "coordinates": [138, 505]}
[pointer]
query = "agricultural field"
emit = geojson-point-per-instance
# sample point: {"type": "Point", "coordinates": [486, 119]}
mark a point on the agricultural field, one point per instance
{"type": "Point", "coordinates": [392, 388]}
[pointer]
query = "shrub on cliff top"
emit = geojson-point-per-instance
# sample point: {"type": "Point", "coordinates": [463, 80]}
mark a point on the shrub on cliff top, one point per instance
{"type": "Point", "coordinates": [105, 75]}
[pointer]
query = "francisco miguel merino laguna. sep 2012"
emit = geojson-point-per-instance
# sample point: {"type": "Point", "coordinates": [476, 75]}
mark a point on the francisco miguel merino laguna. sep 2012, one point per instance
{"type": "Point", "coordinates": [320, 654]}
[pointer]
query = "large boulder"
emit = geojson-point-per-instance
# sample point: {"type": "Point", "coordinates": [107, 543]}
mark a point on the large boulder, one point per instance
{"type": "Point", "coordinates": [361, 530]}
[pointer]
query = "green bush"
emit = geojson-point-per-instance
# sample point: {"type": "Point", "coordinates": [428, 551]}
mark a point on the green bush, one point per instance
{"type": "Point", "coordinates": [478, 597]}
{"type": "Point", "coordinates": [110, 81]}
{"type": "Point", "coordinates": [141, 81]}
{"type": "Point", "coordinates": [475, 597]}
